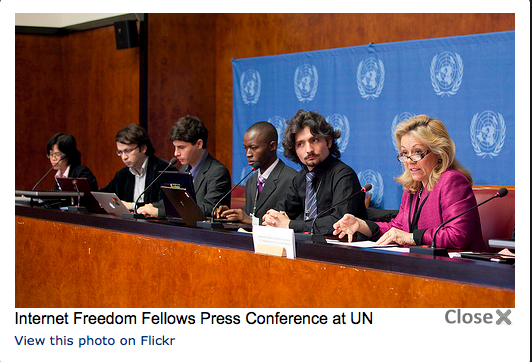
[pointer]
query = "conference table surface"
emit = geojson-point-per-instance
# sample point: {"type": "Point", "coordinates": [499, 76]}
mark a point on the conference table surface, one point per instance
{"type": "Point", "coordinates": [69, 259]}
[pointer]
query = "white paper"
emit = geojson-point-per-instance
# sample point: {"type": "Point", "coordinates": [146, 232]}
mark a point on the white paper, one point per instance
{"type": "Point", "coordinates": [280, 237]}
{"type": "Point", "coordinates": [369, 244]}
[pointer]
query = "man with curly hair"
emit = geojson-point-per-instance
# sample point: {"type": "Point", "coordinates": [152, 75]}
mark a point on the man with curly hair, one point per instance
{"type": "Point", "coordinates": [323, 181]}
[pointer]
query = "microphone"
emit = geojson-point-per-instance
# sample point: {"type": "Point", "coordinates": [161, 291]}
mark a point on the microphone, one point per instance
{"type": "Point", "coordinates": [365, 188]}
{"type": "Point", "coordinates": [77, 208]}
{"type": "Point", "coordinates": [433, 250]}
{"type": "Point", "coordinates": [255, 167]}
{"type": "Point", "coordinates": [140, 216]}
{"type": "Point", "coordinates": [61, 158]}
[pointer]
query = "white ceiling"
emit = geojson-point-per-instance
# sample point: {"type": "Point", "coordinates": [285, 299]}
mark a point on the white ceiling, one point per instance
{"type": "Point", "coordinates": [58, 20]}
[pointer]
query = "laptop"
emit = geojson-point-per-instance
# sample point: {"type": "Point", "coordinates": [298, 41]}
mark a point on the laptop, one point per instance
{"type": "Point", "coordinates": [189, 211]}
{"type": "Point", "coordinates": [184, 205]}
{"type": "Point", "coordinates": [110, 203]}
{"type": "Point", "coordinates": [67, 184]}
{"type": "Point", "coordinates": [491, 257]}
{"type": "Point", "coordinates": [501, 243]}
{"type": "Point", "coordinates": [180, 180]}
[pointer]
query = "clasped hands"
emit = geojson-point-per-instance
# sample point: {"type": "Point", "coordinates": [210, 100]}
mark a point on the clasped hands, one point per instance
{"type": "Point", "coordinates": [276, 218]}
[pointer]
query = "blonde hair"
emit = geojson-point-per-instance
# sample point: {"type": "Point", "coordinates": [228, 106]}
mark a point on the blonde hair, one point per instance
{"type": "Point", "coordinates": [432, 133]}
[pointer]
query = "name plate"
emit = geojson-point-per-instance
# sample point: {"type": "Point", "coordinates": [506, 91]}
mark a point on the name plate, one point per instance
{"type": "Point", "coordinates": [274, 241]}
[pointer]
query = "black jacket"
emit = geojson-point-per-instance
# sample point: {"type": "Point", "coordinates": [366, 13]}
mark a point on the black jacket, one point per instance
{"type": "Point", "coordinates": [123, 184]}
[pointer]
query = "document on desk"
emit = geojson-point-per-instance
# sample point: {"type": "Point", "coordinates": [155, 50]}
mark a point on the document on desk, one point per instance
{"type": "Point", "coordinates": [369, 244]}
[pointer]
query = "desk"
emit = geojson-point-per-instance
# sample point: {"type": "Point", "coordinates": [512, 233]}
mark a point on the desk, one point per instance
{"type": "Point", "coordinates": [69, 260]}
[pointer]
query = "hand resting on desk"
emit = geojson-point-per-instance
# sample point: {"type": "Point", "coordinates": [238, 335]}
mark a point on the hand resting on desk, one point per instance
{"type": "Point", "coordinates": [224, 212]}
{"type": "Point", "coordinates": [148, 210]}
{"type": "Point", "coordinates": [349, 225]}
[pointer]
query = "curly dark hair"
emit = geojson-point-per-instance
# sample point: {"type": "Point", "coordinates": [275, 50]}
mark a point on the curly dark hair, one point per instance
{"type": "Point", "coordinates": [189, 129]}
{"type": "Point", "coordinates": [135, 134]}
{"type": "Point", "coordinates": [318, 127]}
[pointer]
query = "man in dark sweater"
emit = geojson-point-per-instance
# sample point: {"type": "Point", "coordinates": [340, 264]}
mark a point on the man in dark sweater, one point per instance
{"type": "Point", "coordinates": [323, 181]}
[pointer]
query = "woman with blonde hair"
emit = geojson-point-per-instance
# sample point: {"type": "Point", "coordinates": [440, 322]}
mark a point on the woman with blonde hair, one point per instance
{"type": "Point", "coordinates": [436, 188]}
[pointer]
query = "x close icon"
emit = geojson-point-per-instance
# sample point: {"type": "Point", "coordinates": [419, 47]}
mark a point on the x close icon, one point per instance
{"type": "Point", "coordinates": [504, 317]}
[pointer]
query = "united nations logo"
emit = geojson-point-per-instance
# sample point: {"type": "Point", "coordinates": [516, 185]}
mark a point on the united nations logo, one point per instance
{"type": "Point", "coordinates": [446, 72]}
{"type": "Point", "coordinates": [396, 120]}
{"type": "Point", "coordinates": [280, 125]}
{"type": "Point", "coordinates": [375, 179]}
{"type": "Point", "coordinates": [340, 123]}
{"type": "Point", "coordinates": [306, 82]}
{"type": "Point", "coordinates": [250, 86]}
{"type": "Point", "coordinates": [487, 132]}
{"type": "Point", "coordinates": [370, 78]}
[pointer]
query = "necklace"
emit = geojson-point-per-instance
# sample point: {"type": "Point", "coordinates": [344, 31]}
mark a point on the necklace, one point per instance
{"type": "Point", "coordinates": [420, 192]}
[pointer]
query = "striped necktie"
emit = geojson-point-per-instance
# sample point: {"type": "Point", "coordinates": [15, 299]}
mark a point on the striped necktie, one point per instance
{"type": "Point", "coordinates": [260, 183]}
{"type": "Point", "coordinates": [311, 208]}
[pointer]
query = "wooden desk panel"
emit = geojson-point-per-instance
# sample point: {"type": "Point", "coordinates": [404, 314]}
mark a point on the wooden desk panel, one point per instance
{"type": "Point", "coordinates": [72, 266]}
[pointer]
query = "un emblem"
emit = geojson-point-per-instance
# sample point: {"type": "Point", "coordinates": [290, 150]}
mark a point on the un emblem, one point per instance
{"type": "Point", "coordinates": [446, 72]}
{"type": "Point", "coordinates": [396, 120]}
{"type": "Point", "coordinates": [306, 82]}
{"type": "Point", "coordinates": [375, 179]}
{"type": "Point", "coordinates": [370, 78]}
{"type": "Point", "coordinates": [250, 86]}
{"type": "Point", "coordinates": [280, 125]}
{"type": "Point", "coordinates": [487, 132]}
{"type": "Point", "coordinates": [340, 123]}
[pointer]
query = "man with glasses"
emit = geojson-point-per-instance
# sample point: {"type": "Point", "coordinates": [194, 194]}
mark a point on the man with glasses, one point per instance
{"type": "Point", "coordinates": [142, 167]}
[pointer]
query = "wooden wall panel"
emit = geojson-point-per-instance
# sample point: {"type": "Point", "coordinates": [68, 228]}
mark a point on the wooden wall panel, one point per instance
{"type": "Point", "coordinates": [39, 106]}
{"type": "Point", "coordinates": [181, 75]}
{"type": "Point", "coordinates": [101, 96]}
{"type": "Point", "coordinates": [79, 84]}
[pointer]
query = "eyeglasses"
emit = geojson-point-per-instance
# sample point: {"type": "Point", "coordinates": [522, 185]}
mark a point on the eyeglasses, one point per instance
{"type": "Point", "coordinates": [54, 155]}
{"type": "Point", "coordinates": [414, 158]}
{"type": "Point", "coordinates": [126, 152]}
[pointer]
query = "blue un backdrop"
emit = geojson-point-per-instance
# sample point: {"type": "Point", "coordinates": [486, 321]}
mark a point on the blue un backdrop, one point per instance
{"type": "Point", "coordinates": [364, 91]}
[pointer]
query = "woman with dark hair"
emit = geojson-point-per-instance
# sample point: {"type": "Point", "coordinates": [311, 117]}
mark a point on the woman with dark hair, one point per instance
{"type": "Point", "coordinates": [70, 166]}
{"type": "Point", "coordinates": [436, 188]}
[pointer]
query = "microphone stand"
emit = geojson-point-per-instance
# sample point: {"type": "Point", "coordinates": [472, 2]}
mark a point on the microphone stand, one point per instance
{"type": "Point", "coordinates": [77, 208]}
{"type": "Point", "coordinates": [134, 214]}
{"type": "Point", "coordinates": [432, 249]}
{"type": "Point", "coordinates": [320, 238]}
{"type": "Point", "coordinates": [218, 225]}
{"type": "Point", "coordinates": [63, 156]}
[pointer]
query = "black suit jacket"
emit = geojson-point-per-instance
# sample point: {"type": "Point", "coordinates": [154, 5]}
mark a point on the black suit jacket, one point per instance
{"type": "Point", "coordinates": [211, 183]}
{"type": "Point", "coordinates": [336, 181]}
{"type": "Point", "coordinates": [273, 191]}
{"type": "Point", "coordinates": [123, 184]}
{"type": "Point", "coordinates": [81, 171]}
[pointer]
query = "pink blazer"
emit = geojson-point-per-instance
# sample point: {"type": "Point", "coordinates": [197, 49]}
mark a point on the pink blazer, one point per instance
{"type": "Point", "coordinates": [451, 195]}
